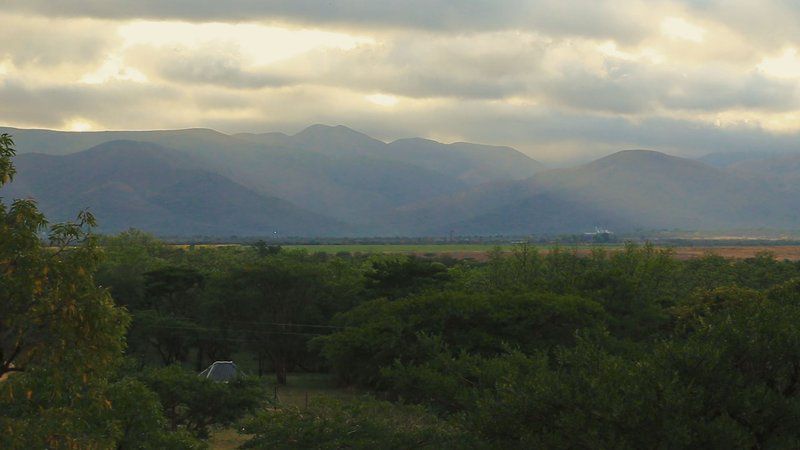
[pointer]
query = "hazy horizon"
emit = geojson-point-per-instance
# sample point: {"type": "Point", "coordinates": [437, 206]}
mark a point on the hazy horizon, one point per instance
{"type": "Point", "coordinates": [561, 163]}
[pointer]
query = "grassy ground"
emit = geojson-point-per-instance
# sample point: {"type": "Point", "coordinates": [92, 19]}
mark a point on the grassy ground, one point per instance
{"type": "Point", "coordinates": [226, 439]}
{"type": "Point", "coordinates": [395, 248]}
{"type": "Point", "coordinates": [300, 389]}
{"type": "Point", "coordinates": [308, 386]}
{"type": "Point", "coordinates": [479, 251]}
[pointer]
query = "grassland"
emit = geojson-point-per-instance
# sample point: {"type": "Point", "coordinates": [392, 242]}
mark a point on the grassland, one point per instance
{"type": "Point", "coordinates": [479, 251]}
{"type": "Point", "coordinates": [429, 248]}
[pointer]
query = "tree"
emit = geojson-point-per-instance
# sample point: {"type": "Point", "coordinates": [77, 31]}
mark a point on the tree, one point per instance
{"type": "Point", "coordinates": [379, 333]}
{"type": "Point", "coordinates": [398, 276]}
{"type": "Point", "coordinates": [278, 303]}
{"type": "Point", "coordinates": [169, 318]}
{"type": "Point", "coordinates": [361, 423]}
{"type": "Point", "coordinates": [137, 413]}
{"type": "Point", "coordinates": [60, 335]}
{"type": "Point", "coordinates": [263, 249]}
{"type": "Point", "coordinates": [126, 258]}
{"type": "Point", "coordinates": [194, 404]}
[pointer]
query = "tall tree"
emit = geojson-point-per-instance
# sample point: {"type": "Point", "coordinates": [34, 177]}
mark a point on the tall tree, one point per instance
{"type": "Point", "coordinates": [276, 301]}
{"type": "Point", "coordinates": [170, 323]}
{"type": "Point", "coordinates": [60, 335]}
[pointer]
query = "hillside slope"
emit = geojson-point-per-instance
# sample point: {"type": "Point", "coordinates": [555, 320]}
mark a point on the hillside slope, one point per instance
{"type": "Point", "coordinates": [134, 184]}
{"type": "Point", "coordinates": [198, 181]}
{"type": "Point", "coordinates": [781, 173]}
{"type": "Point", "coordinates": [628, 190]}
{"type": "Point", "coordinates": [334, 171]}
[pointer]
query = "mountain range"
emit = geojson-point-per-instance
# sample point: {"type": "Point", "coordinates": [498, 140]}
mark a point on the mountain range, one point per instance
{"type": "Point", "coordinates": [334, 181]}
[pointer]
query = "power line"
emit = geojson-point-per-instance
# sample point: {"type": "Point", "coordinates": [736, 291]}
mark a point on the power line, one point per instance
{"type": "Point", "coordinates": [309, 325]}
{"type": "Point", "coordinates": [268, 332]}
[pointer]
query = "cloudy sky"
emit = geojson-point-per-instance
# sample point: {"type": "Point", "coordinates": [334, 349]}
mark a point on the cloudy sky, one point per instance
{"type": "Point", "coordinates": [558, 79]}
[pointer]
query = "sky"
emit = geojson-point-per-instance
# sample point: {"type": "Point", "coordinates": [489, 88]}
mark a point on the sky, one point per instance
{"type": "Point", "coordinates": [559, 80]}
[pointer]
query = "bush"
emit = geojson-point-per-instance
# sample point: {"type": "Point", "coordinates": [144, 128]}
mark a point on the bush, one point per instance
{"type": "Point", "coordinates": [365, 423]}
{"type": "Point", "coordinates": [194, 404]}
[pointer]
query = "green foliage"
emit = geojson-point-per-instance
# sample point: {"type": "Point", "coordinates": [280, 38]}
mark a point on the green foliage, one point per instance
{"type": "Point", "coordinates": [194, 404]}
{"type": "Point", "coordinates": [451, 383]}
{"type": "Point", "coordinates": [380, 332]}
{"type": "Point", "coordinates": [7, 152]}
{"type": "Point", "coordinates": [126, 258]}
{"type": "Point", "coordinates": [169, 319]}
{"type": "Point", "coordinates": [60, 335]}
{"type": "Point", "coordinates": [137, 412]}
{"type": "Point", "coordinates": [743, 367]}
{"type": "Point", "coordinates": [269, 297]}
{"type": "Point", "coordinates": [732, 383]}
{"type": "Point", "coordinates": [365, 423]}
{"type": "Point", "coordinates": [398, 276]}
{"type": "Point", "coordinates": [263, 249]}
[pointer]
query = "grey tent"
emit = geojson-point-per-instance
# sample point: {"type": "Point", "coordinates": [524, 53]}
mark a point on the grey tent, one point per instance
{"type": "Point", "coordinates": [221, 371]}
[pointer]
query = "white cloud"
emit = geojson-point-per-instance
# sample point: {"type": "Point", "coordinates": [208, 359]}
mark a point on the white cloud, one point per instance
{"type": "Point", "coordinates": [383, 99]}
{"type": "Point", "coordinates": [678, 28]}
{"type": "Point", "coordinates": [787, 65]}
{"type": "Point", "coordinates": [113, 69]}
{"type": "Point", "coordinates": [260, 44]}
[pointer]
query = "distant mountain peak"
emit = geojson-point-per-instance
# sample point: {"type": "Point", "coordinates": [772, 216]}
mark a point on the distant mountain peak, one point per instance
{"type": "Point", "coordinates": [637, 153]}
{"type": "Point", "coordinates": [329, 139]}
{"type": "Point", "coordinates": [340, 130]}
{"type": "Point", "coordinates": [639, 158]}
{"type": "Point", "coordinates": [416, 140]}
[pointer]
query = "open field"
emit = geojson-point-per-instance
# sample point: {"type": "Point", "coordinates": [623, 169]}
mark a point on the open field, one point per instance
{"type": "Point", "coordinates": [304, 387]}
{"type": "Point", "coordinates": [438, 249]}
{"type": "Point", "coordinates": [479, 251]}
{"type": "Point", "coordinates": [781, 252]}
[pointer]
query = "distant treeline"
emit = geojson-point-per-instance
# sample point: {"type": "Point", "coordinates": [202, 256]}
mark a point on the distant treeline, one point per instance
{"type": "Point", "coordinates": [433, 240]}
{"type": "Point", "coordinates": [638, 238]}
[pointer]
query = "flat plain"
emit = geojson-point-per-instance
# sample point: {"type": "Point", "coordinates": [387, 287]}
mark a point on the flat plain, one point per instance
{"type": "Point", "coordinates": [480, 251]}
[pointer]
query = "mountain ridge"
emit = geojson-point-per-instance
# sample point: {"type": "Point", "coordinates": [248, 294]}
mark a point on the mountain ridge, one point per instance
{"type": "Point", "coordinates": [628, 190]}
{"type": "Point", "coordinates": [332, 180]}
{"type": "Point", "coordinates": [134, 184]}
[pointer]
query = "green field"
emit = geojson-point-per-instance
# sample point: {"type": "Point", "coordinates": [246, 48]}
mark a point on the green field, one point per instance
{"type": "Point", "coordinates": [395, 248]}
{"type": "Point", "coordinates": [428, 248]}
